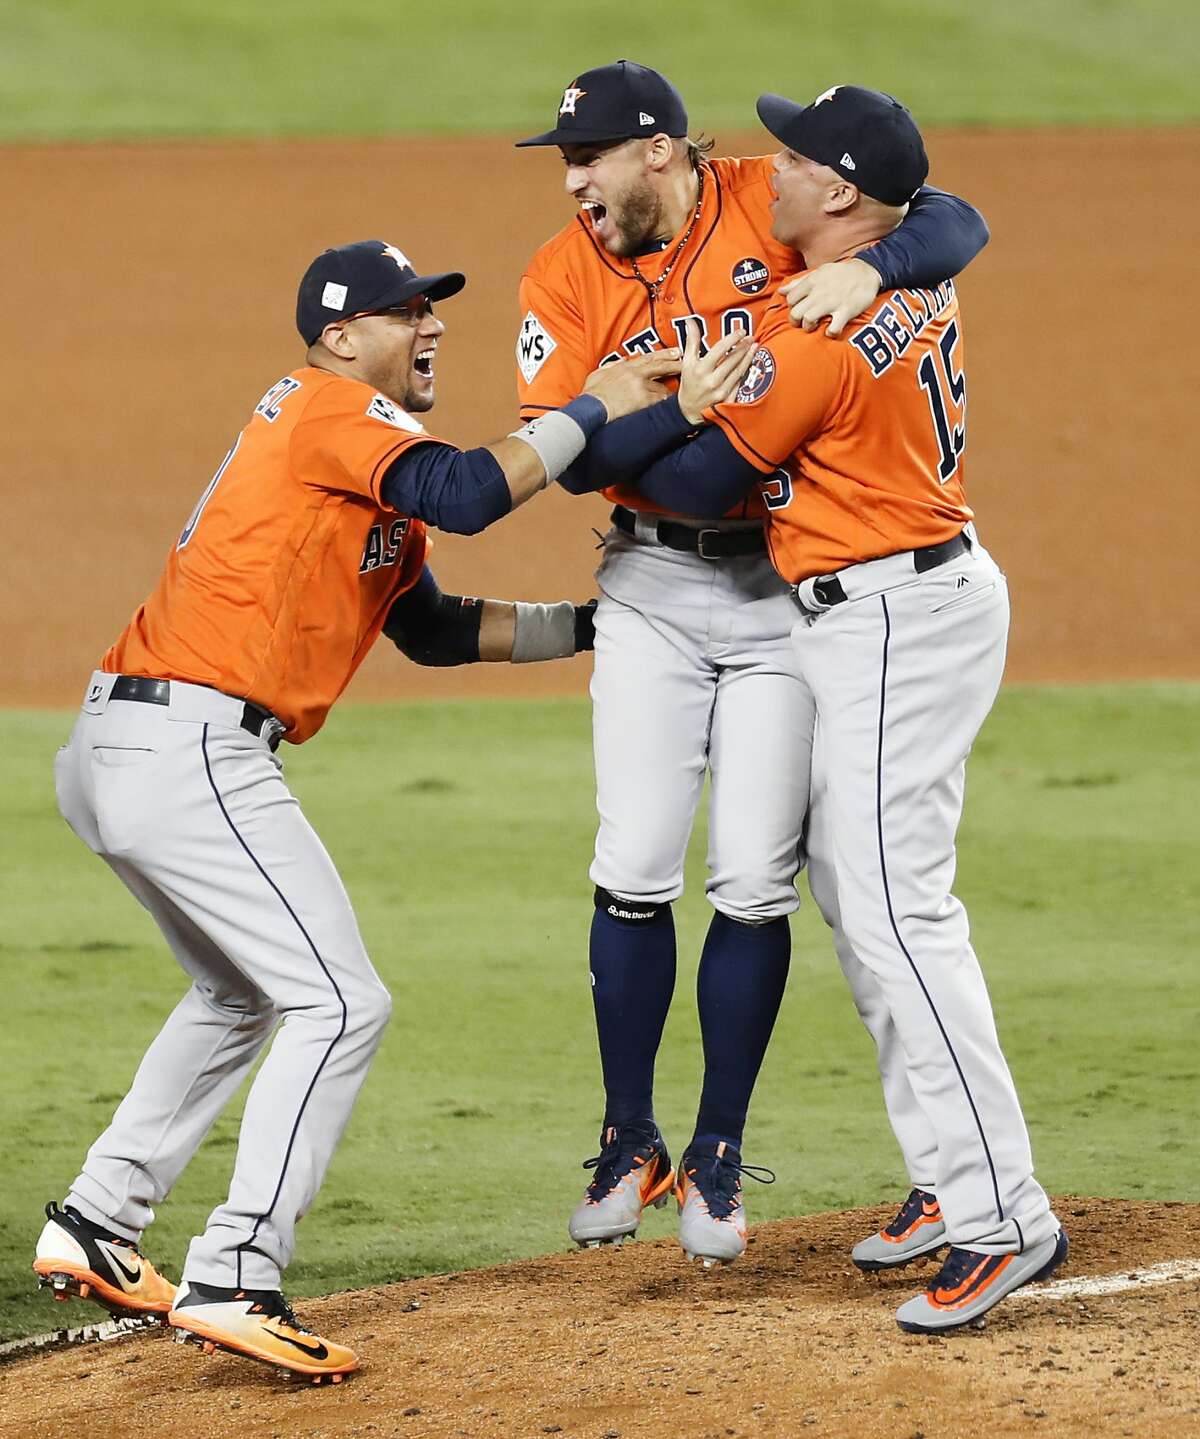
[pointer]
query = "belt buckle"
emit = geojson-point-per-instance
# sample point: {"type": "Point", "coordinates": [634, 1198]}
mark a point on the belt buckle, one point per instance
{"type": "Point", "coordinates": [700, 538]}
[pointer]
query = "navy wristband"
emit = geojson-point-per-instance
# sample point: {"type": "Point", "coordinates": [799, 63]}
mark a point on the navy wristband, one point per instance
{"type": "Point", "coordinates": [588, 413]}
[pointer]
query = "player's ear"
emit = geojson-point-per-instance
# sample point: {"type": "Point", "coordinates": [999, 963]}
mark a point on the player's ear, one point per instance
{"type": "Point", "coordinates": [339, 341]}
{"type": "Point", "coordinates": [659, 150]}
{"type": "Point", "coordinates": [842, 196]}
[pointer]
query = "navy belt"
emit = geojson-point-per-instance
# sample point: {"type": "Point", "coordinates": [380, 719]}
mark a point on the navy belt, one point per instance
{"type": "Point", "coordinates": [709, 543]}
{"type": "Point", "coordinates": [255, 720]}
{"type": "Point", "coordinates": [829, 589]}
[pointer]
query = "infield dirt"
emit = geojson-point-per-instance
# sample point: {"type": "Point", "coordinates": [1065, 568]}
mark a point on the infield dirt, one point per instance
{"type": "Point", "coordinates": [610, 1344]}
{"type": "Point", "coordinates": [149, 292]}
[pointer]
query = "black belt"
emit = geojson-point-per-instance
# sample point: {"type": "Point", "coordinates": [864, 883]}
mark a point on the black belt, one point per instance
{"type": "Point", "coordinates": [828, 589]}
{"type": "Point", "coordinates": [709, 544]}
{"type": "Point", "coordinates": [158, 692]}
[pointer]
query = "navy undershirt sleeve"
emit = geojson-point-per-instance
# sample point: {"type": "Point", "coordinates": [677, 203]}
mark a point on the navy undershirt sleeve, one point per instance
{"type": "Point", "coordinates": [940, 236]}
{"type": "Point", "coordinates": [618, 453]}
{"type": "Point", "coordinates": [462, 491]}
{"type": "Point", "coordinates": [704, 478]}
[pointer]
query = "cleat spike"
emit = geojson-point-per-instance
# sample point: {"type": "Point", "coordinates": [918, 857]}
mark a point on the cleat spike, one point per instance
{"type": "Point", "coordinates": [209, 1347]}
{"type": "Point", "coordinates": [337, 1378]}
{"type": "Point", "coordinates": [84, 1290]}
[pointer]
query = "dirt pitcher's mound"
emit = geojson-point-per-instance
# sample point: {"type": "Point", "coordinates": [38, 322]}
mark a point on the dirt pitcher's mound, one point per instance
{"type": "Point", "coordinates": [791, 1340]}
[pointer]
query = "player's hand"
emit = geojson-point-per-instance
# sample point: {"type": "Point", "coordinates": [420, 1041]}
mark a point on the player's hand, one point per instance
{"type": "Point", "coordinates": [713, 378]}
{"type": "Point", "coordinates": [841, 290]}
{"type": "Point", "coordinates": [629, 385]}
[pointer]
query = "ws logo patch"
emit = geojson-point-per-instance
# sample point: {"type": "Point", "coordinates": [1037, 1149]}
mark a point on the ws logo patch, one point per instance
{"type": "Point", "coordinates": [535, 345]}
{"type": "Point", "coordinates": [377, 552]}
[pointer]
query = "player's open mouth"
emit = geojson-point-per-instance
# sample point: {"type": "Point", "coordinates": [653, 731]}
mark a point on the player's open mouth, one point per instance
{"type": "Point", "coordinates": [423, 363]}
{"type": "Point", "coordinates": [594, 210]}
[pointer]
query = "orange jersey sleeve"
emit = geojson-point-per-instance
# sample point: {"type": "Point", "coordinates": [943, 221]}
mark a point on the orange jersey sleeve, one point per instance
{"type": "Point", "coordinates": [283, 575]}
{"type": "Point", "coordinates": [865, 434]}
{"type": "Point", "coordinates": [582, 307]}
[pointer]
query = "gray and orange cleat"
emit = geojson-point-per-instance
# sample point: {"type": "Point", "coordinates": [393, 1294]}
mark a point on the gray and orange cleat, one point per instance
{"type": "Point", "coordinates": [970, 1283]}
{"type": "Point", "coordinates": [257, 1324]}
{"type": "Point", "coordinates": [918, 1229]}
{"type": "Point", "coordinates": [712, 1218]}
{"type": "Point", "coordinates": [78, 1258]}
{"type": "Point", "coordinates": [632, 1171]}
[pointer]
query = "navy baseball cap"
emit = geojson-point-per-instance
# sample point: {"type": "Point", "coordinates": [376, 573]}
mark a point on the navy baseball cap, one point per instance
{"type": "Point", "coordinates": [368, 275]}
{"type": "Point", "coordinates": [866, 136]}
{"type": "Point", "coordinates": [621, 101]}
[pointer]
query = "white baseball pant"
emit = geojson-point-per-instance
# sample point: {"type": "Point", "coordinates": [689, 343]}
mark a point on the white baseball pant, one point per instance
{"type": "Point", "coordinates": [694, 671]}
{"type": "Point", "coordinates": [192, 813]}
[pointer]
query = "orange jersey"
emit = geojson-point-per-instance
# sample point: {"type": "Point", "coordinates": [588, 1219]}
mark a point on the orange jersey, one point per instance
{"type": "Point", "coordinates": [865, 435]}
{"type": "Point", "coordinates": [583, 306]}
{"type": "Point", "coordinates": [286, 569]}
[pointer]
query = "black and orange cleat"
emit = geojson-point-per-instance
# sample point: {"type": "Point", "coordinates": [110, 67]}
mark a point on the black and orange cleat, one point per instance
{"type": "Point", "coordinates": [257, 1324]}
{"type": "Point", "coordinates": [79, 1259]}
{"type": "Point", "coordinates": [917, 1230]}
{"type": "Point", "coordinates": [970, 1283]}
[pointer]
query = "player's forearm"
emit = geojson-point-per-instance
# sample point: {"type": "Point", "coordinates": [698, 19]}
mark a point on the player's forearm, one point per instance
{"type": "Point", "coordinates": [464, 491]}
{"type": "Point", "coordinates": [442, 630]}
{"type": "Point", "coordinates": [703, 478]}
{"type": "Point", "coordinates": [940, 236]}
{"type": "Point", "coordinates": [620, 452]}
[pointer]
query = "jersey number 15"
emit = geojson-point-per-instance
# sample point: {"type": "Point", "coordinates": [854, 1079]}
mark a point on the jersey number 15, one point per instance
{"type": "Point", "coordinates": [947, 396]}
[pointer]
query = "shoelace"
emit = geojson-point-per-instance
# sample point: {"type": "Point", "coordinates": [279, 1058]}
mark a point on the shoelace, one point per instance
{"type": "Point", "coordinates": [620, 1149]}
{"type": "Point", "coordinates": [910, 1211]}
{"type": "Point", "coordinates": [278, 1308]}
{"type": "Point", "coordinates": [716, 1177]}
{"type": "Point", "coordinates": [958, 1264]}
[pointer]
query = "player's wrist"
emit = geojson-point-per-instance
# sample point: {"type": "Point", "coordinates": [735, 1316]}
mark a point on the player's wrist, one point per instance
{"type": "Point", "coordinates": [543, 632]}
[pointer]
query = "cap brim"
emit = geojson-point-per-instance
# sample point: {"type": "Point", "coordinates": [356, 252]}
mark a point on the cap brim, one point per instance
{"type": "Point", "coordinates": [438, 287]}
{"type": "Point", "coordinates": [779, 115]}
{"type": "Point", "coordinates": [574, 137]}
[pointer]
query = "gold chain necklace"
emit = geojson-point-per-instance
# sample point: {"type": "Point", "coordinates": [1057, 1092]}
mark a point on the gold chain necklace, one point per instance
{"type": "Point", "coordinates": [654, 286]}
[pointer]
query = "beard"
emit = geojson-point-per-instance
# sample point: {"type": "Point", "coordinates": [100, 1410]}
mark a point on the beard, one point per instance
{"type": "Point", "coordinates": [637, 216]}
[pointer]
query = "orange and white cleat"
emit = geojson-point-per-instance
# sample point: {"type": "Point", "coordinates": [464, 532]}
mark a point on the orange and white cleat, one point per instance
{"type": "Point", "coordinates": [918, 1229]}
{"type": "Point", "coordinates": [632, 1172]}
{"type": "Point", "coordinates": [79, 1259]}
{"type": "Point", "coordinates": [257, 1324]}
{"type": "Point", "coordinates": [970, 1283]}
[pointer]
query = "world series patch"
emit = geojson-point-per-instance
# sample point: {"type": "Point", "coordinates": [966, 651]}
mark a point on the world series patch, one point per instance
{"type": "Point", "coordinates": [750, 275]}
{"type": "Point", "coordinates": [759, 377]}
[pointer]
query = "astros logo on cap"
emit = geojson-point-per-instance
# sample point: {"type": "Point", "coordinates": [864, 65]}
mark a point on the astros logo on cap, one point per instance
{"type": "Point", "coordinates": [399, 256]}
{"type": "Point", "coordinates": [827, 94]}
{"type": "Point", "coordinates": [571, 95]}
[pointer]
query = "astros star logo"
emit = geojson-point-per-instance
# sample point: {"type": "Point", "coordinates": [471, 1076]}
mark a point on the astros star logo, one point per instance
{"type": "Point", "coordinates": [399, 256]}
{"type": "Point", "coordinates": [571, 96]}
{"type": "Point", "coordinates": [827, 94]}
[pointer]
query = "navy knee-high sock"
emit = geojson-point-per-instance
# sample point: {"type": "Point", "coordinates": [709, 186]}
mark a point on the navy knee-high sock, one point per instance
{"type": "Point", "coordinates": [633, 978]}
{"type": "Point", "coordinates": [743, 970]}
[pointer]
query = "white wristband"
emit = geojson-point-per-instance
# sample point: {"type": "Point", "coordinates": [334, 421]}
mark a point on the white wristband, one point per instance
{"type": "Point", "coordinates": [543, 632]}
{"type": "Point", "coordinates": [557, 440]}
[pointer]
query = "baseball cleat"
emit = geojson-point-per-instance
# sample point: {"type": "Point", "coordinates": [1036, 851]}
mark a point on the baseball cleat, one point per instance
{"type": "Point", "coordinates": [76, 1258]}
{"type": "Point", "coordinates": [256, 1324]}
{"type": "Point", "coordinates": [633, 1171]}
{"type": "Point", "coordinates": [712, 1218]}
{"type": "Point", "coordinates": [970, 1283]}
{"type": "Point", "coordinates": [918, 1229]}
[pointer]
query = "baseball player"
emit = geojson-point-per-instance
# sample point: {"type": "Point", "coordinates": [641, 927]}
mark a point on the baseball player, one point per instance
{"type": "Point", "coordinates": [309, 541]}
{"type": "Point", "coordinates": [902, 622]}
{"type": "Point", "coordinates": [694, 670]}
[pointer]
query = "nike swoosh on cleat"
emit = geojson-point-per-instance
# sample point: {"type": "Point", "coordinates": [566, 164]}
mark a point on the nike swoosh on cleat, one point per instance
{"type": "Point", "coordinates": [133, 1276]}
{"type": "Point", "coordinates": [317, 1351]}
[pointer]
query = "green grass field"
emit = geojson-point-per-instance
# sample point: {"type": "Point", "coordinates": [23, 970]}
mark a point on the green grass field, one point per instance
{"type": "Point", "coordinates": [97, 69]}
{"type": "Point", "coordinates": [463, 833]}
